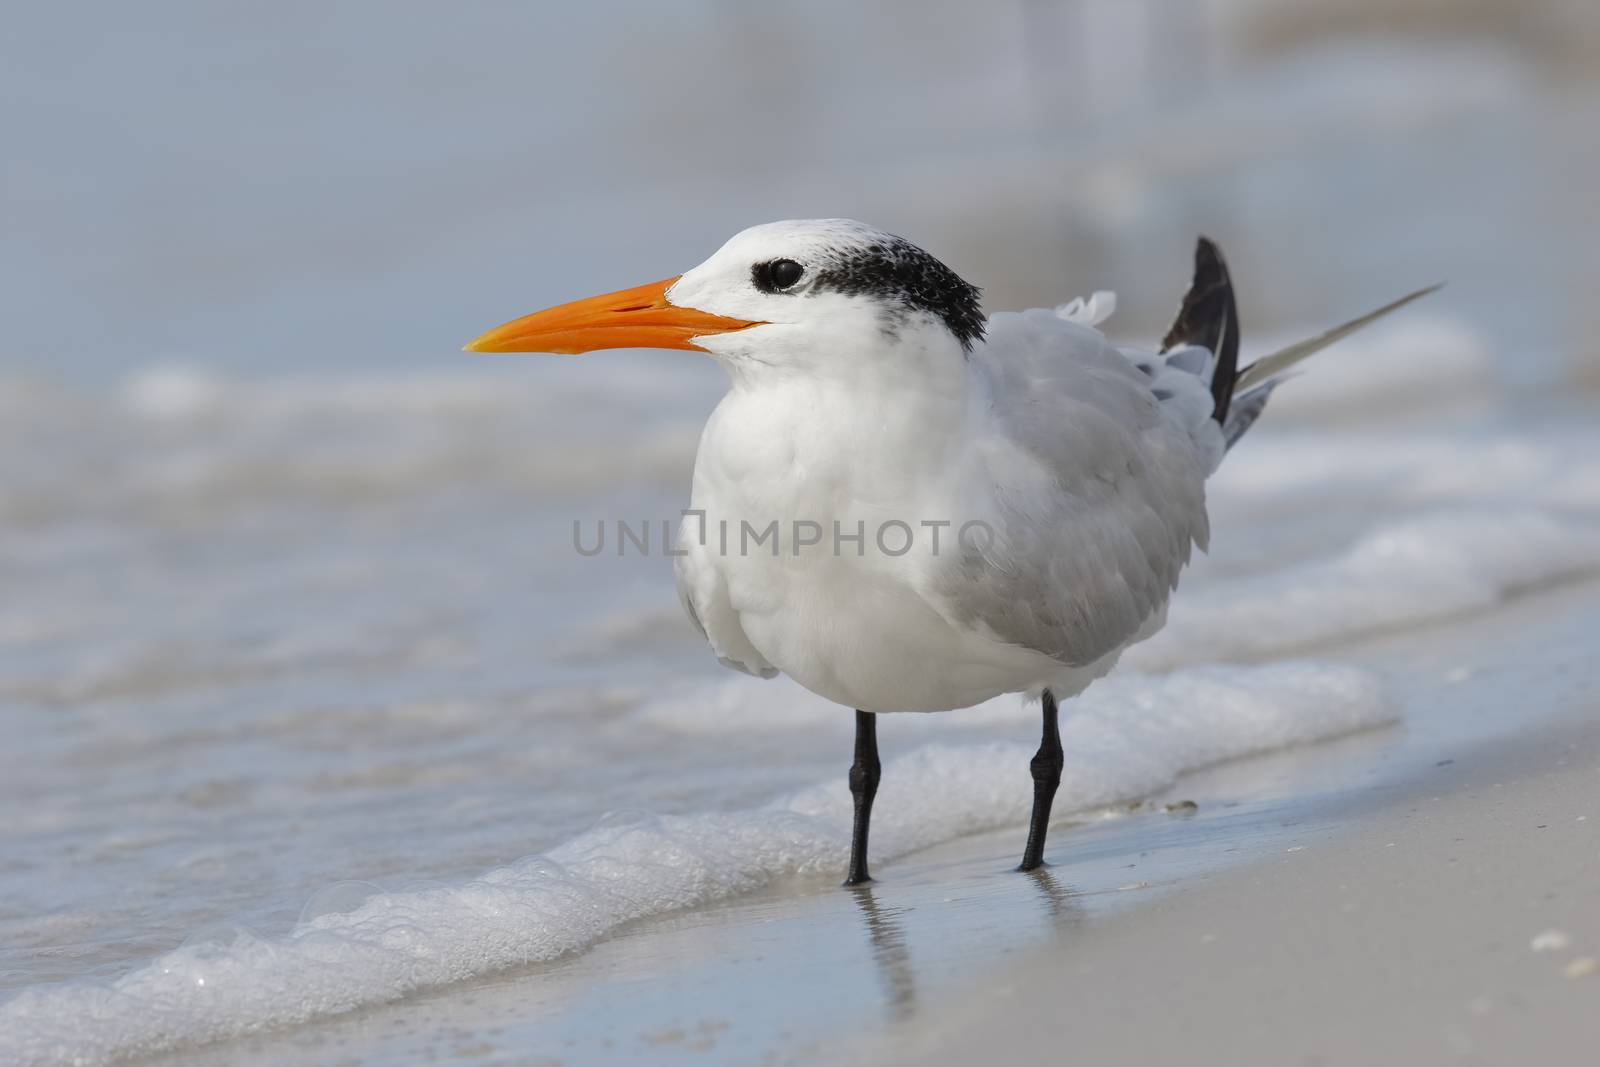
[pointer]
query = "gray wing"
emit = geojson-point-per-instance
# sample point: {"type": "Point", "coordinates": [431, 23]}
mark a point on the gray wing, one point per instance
{"type": "Point", "coordinates": [1090, 473]}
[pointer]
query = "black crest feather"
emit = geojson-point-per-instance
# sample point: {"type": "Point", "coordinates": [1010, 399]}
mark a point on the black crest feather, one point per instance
{"type": "Point", "coordinates": [898, 272]}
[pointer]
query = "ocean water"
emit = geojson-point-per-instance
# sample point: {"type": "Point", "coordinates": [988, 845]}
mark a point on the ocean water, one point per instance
{"type": "Point", "coordinates": [312, 702]}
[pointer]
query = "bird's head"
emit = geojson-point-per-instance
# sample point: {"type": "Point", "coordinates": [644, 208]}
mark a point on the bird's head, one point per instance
{"type": "Point", "coordinates": [785, 297]}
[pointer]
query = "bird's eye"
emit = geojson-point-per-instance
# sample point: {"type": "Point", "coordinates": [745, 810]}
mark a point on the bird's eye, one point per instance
{"type": "Point", "coordinates": [776, 276]}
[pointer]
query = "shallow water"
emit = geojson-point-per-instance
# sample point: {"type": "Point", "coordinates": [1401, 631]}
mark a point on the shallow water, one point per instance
{"type": "Point", "coordinates": [799, 971]}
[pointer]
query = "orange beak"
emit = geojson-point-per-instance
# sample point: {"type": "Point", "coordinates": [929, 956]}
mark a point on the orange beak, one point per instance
{"type": "Point", "coordinates": [630, 318]}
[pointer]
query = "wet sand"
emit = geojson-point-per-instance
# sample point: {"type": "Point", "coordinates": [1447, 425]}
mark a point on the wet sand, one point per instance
{"type": "Point", "coordinates": [1401, 874]}
{"type": "Point", "coordinates": [1452, 918]}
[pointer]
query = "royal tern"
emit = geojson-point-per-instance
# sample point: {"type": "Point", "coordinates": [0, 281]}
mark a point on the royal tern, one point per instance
{"type": "Point", "coordinates": [906, 505]}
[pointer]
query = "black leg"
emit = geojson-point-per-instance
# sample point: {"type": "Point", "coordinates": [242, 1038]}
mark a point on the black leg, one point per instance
{"type": "Point", "coordinates": [1046, 768]}
{"type": "Point", "coordinates": [864, 775]}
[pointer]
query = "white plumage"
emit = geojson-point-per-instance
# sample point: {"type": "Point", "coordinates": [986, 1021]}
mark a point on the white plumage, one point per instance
{"type": "Point", "coordinates": [1087, 463]}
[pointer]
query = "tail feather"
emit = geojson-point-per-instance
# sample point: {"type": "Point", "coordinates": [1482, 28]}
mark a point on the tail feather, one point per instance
{"type": "Point", "coordinates": [1271, 368]}
{"type": "Point", "coordinates": [1247, 408]}
{"type": "Point", "coordinates": [1209, 319]}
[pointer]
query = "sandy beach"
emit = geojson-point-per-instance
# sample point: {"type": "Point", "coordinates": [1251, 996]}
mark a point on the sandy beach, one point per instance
{"type": "Point", "coordinates": [1451, 917]}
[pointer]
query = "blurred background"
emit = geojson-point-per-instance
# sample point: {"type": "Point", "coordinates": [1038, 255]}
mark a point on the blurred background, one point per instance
{"type": "Point", "coordinates": [314, 188]}
{"type": "Point", "coordinates": [286, 587]}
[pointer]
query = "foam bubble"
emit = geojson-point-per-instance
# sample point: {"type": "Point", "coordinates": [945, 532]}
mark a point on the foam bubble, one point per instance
{"type": "Point", "coordinates": [356, 949]}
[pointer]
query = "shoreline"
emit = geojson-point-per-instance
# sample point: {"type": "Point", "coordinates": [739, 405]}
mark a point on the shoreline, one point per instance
{"type": "Point", "coordinates": [1458, 919]}
{"type": "Point", "coordinates": [932, 961]}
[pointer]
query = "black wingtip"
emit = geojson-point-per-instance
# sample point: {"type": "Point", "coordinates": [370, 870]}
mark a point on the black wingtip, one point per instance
{"type": "Point", "coordinates": [1209, 318]}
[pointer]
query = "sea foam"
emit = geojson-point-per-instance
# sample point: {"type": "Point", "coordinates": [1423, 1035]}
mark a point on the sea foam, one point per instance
{"type": "Point", "coordinates": [388, 944]}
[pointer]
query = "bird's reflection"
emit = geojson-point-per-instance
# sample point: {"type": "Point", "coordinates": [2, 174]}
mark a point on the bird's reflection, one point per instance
{"type": "Point", "coordinates": [1060, 901]}
{"type": "Point", "coordinates": [891, 949]}
{"type": "Point", "coordinates": [890, 952]}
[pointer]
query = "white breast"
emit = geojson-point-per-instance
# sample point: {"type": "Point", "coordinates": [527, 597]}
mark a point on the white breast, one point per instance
{"type": "Point", "coordinates": [1091, 480]}
{"type": "Point", "coordinates": [847, 618]}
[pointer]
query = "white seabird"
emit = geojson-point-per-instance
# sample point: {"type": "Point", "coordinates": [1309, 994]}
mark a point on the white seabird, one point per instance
{"type": "Point", "coordinates": [906, 505]}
